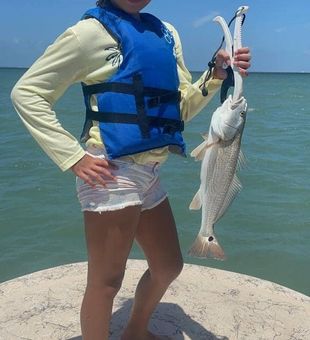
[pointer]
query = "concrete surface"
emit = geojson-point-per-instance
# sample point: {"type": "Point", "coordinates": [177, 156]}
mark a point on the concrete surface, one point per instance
{"type": "Point", "coordinates": [203, 303]}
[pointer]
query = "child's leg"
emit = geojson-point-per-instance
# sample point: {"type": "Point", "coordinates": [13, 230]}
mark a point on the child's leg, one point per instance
{"type": "Point", "coordinates": [158, 238]}
{"type": "Point", "coordinates": [109, 238]}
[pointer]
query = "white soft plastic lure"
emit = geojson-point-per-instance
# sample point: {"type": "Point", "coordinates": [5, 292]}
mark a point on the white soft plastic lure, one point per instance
{"type": "Point", "coordinates": [220, 154]}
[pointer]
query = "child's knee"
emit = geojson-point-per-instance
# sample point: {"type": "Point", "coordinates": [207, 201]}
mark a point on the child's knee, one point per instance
{"type": "Point", "coordinates": [168, 272]}
{"type": "Point", "coordinates": [107, 288]}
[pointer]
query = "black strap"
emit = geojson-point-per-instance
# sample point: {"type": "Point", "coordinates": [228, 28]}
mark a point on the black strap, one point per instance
{"type": "Point", "coordinates": [111, 117]}
{"type": "Point", "coordinates": [227, 83]}
{"type": "Point", "coordinates": [137, 89]}
{"type": "Point", "coordinates": [211, 63]}
{"type": "Point", "coordinates": [141, 113]}
{"type": "Point", "coordinates": [118, 87]}
{"type": "Point", "coordinates": [164, 99]}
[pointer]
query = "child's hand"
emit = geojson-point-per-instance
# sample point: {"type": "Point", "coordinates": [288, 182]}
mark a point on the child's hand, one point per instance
{"type": "Point", "coordinates": [92, 170]}
{"type": "Point", "coordinates": [242, 59]}
{"type": "Point", "coordinates": [222, 58]}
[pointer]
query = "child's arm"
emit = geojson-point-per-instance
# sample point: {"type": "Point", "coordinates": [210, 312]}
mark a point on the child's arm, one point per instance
{"type": "Point", "coordinates": [37, 91]}
{"type": "Point", "coordinates": [192, 99]}
{"type": "Point", "coordinates": [77, 55]}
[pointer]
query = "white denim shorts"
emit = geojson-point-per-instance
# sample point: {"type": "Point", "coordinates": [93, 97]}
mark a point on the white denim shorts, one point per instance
{"type": "Point", "coordinates": [135, 185]}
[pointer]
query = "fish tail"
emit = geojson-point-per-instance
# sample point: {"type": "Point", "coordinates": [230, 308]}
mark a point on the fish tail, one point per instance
{"type": "Point", "coordinates": [207, 246]}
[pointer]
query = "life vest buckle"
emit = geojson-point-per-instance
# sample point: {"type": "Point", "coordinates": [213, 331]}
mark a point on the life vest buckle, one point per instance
{"type": "Point", "coordinates": [153, 102]}
{"type": "Point", "coordinates": [170, 97]}
{"type": "Point", "coordinates": [171, 128]}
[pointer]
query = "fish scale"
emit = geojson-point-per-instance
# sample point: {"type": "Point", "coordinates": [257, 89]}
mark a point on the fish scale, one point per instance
{"type": "Point", "coordinates": [222, 177]}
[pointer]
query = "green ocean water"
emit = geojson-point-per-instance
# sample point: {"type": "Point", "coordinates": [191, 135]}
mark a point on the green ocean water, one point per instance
{"type": "Point", "coordinates": [265, 233]}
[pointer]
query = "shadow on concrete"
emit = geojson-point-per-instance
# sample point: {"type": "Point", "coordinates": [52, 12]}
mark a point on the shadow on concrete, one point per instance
{"type": "Point", "coordinates": [169, 321]}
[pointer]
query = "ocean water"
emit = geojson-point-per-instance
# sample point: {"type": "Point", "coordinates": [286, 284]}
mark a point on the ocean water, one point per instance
{"type": "Point", "coordinates": [265, 232]}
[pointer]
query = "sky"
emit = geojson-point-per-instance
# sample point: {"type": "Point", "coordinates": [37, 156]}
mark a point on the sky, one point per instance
{"type": "Point", "coordinates": [277, 31]}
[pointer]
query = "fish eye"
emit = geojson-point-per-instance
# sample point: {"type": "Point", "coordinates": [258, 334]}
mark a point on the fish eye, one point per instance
{"type": "Point", "coordinates": [242, 113]}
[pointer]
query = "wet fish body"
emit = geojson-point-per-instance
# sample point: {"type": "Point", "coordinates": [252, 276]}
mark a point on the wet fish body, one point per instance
{"type": "Point", "coordinates": [219, 184]}
{"type": "Point", "coordinates": [220, 154]}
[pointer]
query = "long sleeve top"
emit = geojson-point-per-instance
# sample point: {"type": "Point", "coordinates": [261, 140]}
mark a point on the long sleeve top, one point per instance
{"type": "Point", "coordinates": [83, 54]}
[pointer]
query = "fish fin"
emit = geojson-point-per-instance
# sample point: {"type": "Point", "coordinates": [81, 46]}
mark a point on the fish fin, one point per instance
{"type": "Point", "coordinates": [200, 151]}
{"type": "Point", "coordinates": [207, 246]}
{"type": "Point", "coordinates": [241, 160]}
{"type": "Point", "coordinates": [205, 135]}
{"type": "Point", "coordinates": [234, 189]}
{"type": "Point", "coordinates": [196, 201]}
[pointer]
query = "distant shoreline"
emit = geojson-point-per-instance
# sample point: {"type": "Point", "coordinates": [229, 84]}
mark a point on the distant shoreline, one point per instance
{"type": "Point", "coordinates": [194, 71]}
{"type": "Point", "coordinates": [268, 72]}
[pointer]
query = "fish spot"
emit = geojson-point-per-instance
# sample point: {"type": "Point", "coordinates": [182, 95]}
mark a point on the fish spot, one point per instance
{"type": "Point", "coordinates": [210, 238]}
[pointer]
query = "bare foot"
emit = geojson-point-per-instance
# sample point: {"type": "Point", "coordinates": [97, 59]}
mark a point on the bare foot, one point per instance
{"type": "Point", "coordinates": [128, 335]}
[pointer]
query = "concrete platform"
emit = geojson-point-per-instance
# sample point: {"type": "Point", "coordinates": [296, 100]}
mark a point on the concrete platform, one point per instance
{"type": "Point", "coordinates": [203, 303]}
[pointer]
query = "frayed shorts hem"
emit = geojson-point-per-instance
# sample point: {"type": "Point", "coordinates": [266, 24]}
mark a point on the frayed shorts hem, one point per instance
{"type": "Point", "coordinates": [112, 208]}
{"type": "Point", "coordinates": [104, 209]}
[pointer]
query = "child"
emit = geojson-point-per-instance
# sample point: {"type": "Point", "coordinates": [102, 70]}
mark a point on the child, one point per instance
{"type": "Point", "coordinates": [137, 93]}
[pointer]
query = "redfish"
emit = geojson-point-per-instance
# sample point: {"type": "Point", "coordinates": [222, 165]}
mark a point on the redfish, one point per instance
{"type": "Point", "coordinates": [220, 154]}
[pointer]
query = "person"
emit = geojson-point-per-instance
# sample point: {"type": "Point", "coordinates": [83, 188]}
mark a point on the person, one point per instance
{"type": "Point", "coordinates": [138, 92]}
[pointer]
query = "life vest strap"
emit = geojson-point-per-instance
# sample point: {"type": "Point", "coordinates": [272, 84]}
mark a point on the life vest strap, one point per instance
{"type": "Point", "coordinates": [172, 97]}
{"type": "Point", "coordinates": [116, 87]}
{"type": "Point", "coordinates": [158, 96]}
{"type": "Point", "coordinates": [139, 91]}
{"type": "Point", "coordinates": [140, 105]}
{"type": "Point", "coordinates": [169, 125]}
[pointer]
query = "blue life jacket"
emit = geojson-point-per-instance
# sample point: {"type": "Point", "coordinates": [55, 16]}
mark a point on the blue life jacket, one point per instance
{"type": "Point", "coordinates": [138, 106]}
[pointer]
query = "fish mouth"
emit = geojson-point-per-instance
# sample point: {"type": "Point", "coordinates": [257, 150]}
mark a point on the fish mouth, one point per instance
{"type": "Point", "coordinates": [233, 127]}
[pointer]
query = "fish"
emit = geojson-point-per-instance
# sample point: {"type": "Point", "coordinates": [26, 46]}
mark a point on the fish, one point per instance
{"type": "Point", "coordinates": [219, 183]}
{"type": "Point", "coordinates": [221, 157]}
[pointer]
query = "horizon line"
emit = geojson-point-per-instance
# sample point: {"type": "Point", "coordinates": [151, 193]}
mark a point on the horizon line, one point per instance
{"type": "Point", "coordinates": [199, 71]}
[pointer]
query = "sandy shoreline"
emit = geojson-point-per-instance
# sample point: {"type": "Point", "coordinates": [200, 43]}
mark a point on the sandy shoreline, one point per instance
{"type": "Point", "coordinates": [203, 303]}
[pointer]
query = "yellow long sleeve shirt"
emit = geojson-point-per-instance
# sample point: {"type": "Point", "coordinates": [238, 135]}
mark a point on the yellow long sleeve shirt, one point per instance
{"type": "Point", "coordinates": [81, 54]}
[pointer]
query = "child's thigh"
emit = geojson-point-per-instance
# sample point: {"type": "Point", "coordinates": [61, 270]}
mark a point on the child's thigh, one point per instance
{"type": "Point", "coordinates": [109, 238]}
{"type": "Point", "coordinates": [157, 236]}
